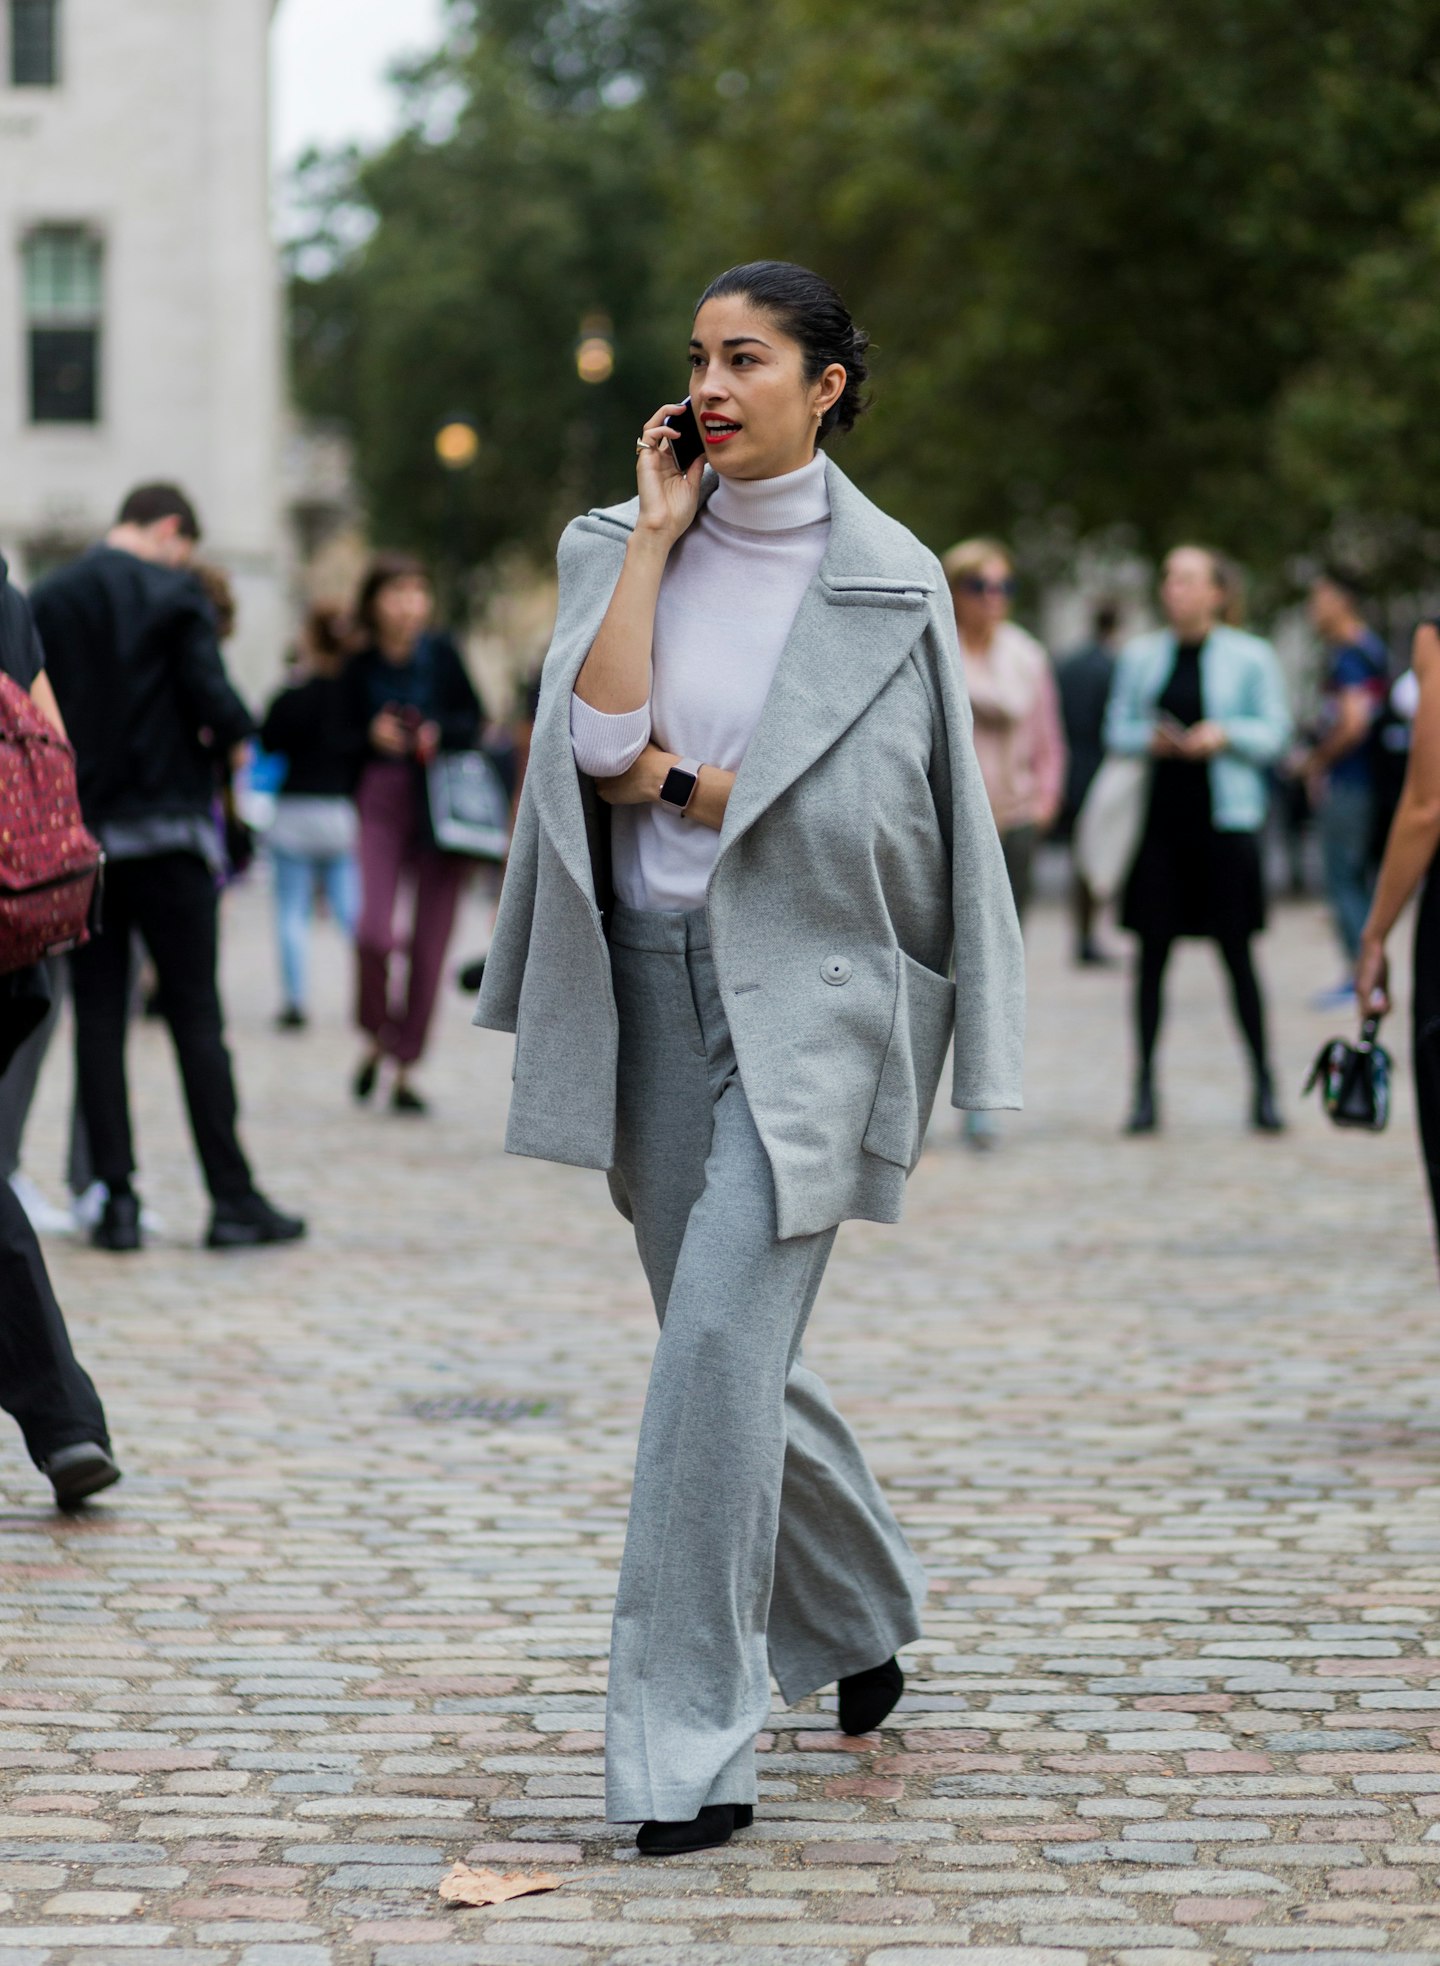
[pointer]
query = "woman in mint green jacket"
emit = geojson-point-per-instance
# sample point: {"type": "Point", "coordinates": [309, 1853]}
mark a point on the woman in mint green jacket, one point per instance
{"type": "Point", "coordinates": [1206, 704]}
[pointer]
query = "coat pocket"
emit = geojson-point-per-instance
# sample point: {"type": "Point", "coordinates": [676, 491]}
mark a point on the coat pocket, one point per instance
{"type": "Point", "coordinates": [920, 1032]}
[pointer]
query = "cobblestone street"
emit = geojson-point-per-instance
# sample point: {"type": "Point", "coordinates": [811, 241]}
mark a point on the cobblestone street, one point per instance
{"type": "Point", "coordinates": [1162, 1418]}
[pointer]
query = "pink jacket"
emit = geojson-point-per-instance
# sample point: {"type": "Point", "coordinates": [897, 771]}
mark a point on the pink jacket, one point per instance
{"type": "Point", "coordinates": [1017, 727]}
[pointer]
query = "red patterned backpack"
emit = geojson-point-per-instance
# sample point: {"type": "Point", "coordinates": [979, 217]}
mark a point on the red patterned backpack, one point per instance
{"type": "Point", "coordinates": [50, 866]}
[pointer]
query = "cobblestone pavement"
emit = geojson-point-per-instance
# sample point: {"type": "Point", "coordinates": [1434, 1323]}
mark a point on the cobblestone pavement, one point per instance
{"type": "Point", "coordinates": [1163, 1419]}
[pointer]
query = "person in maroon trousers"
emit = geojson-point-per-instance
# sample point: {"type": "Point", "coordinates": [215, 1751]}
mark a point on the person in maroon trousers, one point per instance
{"type": "Point", "coordinates": [407, 698]}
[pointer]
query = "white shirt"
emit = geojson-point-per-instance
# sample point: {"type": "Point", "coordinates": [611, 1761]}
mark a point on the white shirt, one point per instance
{"type": "Point", "coordinates": [728, 598]}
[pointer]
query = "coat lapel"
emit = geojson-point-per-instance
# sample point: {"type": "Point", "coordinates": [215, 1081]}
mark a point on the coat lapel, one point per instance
{"type": "Point", "coordinates": [1162, 667]}
{"type": "Point", "coordinates": [859, 619]}
{"type": "Point", "coordinates": [1216, 670]}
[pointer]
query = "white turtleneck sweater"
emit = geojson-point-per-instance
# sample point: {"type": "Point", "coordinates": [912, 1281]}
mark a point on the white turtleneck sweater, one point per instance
{"type": "Point", "coordinates": [728, 598]}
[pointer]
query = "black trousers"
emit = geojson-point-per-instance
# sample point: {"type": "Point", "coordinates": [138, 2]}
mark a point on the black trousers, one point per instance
{"type": "Point", "coordinates": [170, 899]}
{"type": "Point", "coordinates": [1426, 1013]}
{"type": "Point", "coordinates": [42, 1385]}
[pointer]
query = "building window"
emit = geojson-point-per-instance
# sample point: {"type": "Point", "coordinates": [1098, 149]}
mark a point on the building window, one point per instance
{"type": "Point", "coordinates": [62, 310]}
{"type": "Point", "coordinates": [34, 44]}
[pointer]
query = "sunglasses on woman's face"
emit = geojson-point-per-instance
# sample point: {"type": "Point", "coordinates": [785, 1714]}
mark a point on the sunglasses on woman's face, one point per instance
{"type": "Point", "coordinates": [976, 583]}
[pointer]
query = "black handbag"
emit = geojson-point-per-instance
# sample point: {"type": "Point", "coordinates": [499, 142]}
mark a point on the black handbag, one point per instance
{"type": "Point", "coordinates": [1354, 1079]}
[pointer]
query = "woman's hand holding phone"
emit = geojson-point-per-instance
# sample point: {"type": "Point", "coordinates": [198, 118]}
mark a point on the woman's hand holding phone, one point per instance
{"type": "Point", "coordinates": [669, 497]}
{"type": "Point", "coordinates": [615, 675]}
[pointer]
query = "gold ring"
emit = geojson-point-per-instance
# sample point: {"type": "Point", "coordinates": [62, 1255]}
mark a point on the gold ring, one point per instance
{"type": "Point", "coordinates": [642, 445]}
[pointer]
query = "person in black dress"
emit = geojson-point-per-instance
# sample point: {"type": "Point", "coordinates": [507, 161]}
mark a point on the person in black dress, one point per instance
{"type": "Point", "coordinates": [1207, 703]}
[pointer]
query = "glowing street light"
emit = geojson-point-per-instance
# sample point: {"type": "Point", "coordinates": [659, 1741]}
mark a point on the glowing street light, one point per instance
{"type": "Point", "coordinates": [595, 350]}
{"type": "Point", "coordinates": [457, 443]}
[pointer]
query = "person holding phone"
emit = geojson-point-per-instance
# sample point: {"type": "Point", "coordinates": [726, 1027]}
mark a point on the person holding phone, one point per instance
{"type": "Point", "coordinates": [1411, 859]}
{"type": "Point", "coordinates": [753, 832]}
{"type": "Point", "coordinates": [1206, 704]}
{"type": "Point", "coordinates": [406, 699]}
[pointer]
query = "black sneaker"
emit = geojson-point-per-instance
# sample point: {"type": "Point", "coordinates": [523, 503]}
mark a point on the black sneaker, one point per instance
{"type": "Point", "coordinates": [472, 976]}
{"type": "Point", "coordinates": [291, 1018]}
{"type": "Point", "coordinates": [249, 1221]}
{"type": "Point", "coordinates": [76, 1473]}
{"type": "Point", "coordinates": [119, 1226]}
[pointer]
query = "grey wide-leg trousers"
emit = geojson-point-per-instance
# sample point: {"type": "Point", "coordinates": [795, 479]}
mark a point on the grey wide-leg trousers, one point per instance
{"type": "Point", "coordinates": [758, 1540]}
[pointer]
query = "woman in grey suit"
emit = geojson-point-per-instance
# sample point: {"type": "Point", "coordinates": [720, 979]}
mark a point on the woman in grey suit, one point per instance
{"type": "Point", "coordinates": [752, 836]}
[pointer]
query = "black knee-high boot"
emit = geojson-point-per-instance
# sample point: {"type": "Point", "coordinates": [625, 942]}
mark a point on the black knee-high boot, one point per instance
{"type": "Point", "coordinates": [1250, 1015]}
{"type": "Point", "coordinates": [1149, 1009]}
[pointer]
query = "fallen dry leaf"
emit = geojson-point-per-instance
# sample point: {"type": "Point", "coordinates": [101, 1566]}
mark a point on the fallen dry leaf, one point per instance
{"type": "Point", "coordinates": [487, 1887]}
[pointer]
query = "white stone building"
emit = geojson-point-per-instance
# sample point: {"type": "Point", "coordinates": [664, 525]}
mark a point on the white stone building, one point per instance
{"type": "Point", "coordinates": [140, 332]}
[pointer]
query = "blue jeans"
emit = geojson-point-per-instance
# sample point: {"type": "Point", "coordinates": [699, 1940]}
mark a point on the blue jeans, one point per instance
{"type": "Point", "coordinates": [1347, 819]}
{"type": "Point", "coordinates": [296, 879]}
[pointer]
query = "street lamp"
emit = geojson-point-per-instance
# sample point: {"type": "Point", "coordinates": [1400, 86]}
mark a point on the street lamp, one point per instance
{"type": "Point", "coordinates": [457, 445]}
{"type": "Point", "coordinates": [595, 349]}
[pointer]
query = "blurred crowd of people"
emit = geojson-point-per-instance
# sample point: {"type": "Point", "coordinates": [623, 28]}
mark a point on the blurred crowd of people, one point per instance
{"type": "Point", "coordinates": [120, 654]}
{"type": "Point", "coordinates": [133, 632]}
{"type": "Point", "coordinates": [133, 671]}
{"type": "Point", "coordinates": [375, 693]}
{"type": "Point", "coordinates": [1204, 704]}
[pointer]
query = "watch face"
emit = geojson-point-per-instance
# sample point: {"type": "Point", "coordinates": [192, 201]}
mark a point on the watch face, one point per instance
{"type": "Point", "coordinates": [678, 787]}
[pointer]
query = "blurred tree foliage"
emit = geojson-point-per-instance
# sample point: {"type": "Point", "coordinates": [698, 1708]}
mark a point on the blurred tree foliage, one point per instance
{"type": "Point", "coordinates": [1358, 430]}
{"type": "Point", "coordinates": [453, 273]}
{"type": "Point", "coordinates": [1154, 270]}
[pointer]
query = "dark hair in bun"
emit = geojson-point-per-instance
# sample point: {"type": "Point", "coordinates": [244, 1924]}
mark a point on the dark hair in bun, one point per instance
{"type": "Point", "coordinates": [809, 310]}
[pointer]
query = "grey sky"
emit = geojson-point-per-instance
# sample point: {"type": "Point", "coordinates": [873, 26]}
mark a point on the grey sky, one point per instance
{"type": "Point", "coordinates": [329, 63]}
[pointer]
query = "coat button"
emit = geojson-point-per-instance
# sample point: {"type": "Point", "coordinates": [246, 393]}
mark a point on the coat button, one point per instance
{"type": "Point", "coordinates": [836, 970]}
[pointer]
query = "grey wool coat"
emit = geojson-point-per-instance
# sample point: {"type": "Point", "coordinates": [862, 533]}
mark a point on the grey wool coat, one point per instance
{"type": "Point", "coordinates": [857, 860]}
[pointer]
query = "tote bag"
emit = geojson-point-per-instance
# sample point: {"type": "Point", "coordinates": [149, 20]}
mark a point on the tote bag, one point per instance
{"type": "Point", "coordinates": [1107, 832]}
{"type": "Point", "coordinates": [469, 805]}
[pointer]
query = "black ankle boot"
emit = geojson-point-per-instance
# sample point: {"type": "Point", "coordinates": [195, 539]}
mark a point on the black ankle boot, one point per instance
{"type": "Point", "coordinates": [248, 1221]}
{"type": "Point", "coordinates": [867, 1697]}
{"type": "Point", "coordinates": [716, 1823]}
{"type": "Point", "coordinates": [119, 1226]}
{"type": "Point", "coordinates": [1264, 1113]}
{"type": "Point", "coordinates": [1143, 1116]}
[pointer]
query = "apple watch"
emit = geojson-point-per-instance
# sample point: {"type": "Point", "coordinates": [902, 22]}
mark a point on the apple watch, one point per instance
{"type": "Point", "coordinates": [679, 787]}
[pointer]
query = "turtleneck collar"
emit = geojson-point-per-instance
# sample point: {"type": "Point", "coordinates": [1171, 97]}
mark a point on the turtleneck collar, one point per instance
{"type": "Point", "coordinates": [800, 498]}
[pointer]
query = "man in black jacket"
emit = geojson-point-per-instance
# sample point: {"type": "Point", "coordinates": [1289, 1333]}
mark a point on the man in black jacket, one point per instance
{"type": "Point", "coordinates": [132, 653]}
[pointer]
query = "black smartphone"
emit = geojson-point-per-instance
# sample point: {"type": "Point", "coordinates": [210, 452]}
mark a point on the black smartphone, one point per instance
{"type": "Point", "coordinates": [688, 444]}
